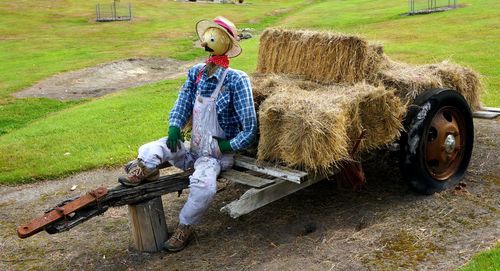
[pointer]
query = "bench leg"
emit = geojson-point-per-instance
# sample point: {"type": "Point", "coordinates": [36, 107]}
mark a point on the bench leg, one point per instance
{"type": "Point", "coordinates": [147, 225]}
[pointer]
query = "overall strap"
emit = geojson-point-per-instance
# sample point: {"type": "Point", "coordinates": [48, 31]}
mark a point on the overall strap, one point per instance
{"type": "Point", "coordinates": [216, 92]}
{"type": "Point", "coordinates": [200, 73]}
{"type": "Point", "coordinates": [198, 78]}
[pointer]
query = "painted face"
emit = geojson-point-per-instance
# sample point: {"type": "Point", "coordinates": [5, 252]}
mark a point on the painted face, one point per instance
{"type": "Point", "coordinates": [216, 41]}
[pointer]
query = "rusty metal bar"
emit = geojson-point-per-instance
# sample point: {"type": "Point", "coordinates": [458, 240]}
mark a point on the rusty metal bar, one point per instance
{"type": "Point", "coordinates": [60, 212]}
{"type": "Point", "coordinates": [72, 212]}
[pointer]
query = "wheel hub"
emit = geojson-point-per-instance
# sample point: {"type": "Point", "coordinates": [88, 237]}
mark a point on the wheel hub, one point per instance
{"type": "Point", "coordinates": [449, 144]}
{"type": "Point", "coordinates": [444, 143]}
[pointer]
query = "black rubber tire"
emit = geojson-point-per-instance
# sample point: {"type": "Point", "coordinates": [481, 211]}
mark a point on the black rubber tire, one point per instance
{"type": "Point", "coordinates": [416, 123]}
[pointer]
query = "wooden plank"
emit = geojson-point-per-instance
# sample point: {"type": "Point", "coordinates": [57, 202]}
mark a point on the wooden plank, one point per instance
{"type": "Point", "coordinates": [491, 109]}
{"type": "Point", "coordinates": [256, 198]}
{"type": "Point", "coordinates": [245, 178]}
{"type": "Point", "coordinates": [485, 114]}
{"type": "Point", "coordinates": [284, 173]}
{"type": "Point", "coordinates": [147, 225]}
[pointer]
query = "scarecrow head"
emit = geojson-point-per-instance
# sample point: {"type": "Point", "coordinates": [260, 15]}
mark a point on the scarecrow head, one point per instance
{"type": "Point", "coordinates": [219, 37]}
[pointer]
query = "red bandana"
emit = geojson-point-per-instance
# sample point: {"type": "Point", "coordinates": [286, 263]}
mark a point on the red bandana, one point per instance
{"type": "Point", "coordinates": [222, 61]}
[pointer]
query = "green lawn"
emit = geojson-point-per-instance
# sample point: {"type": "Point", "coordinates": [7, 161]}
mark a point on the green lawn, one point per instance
{"type": "Point", "coordinates": [42, 38]}
{"type": "Point", "coordinates": [100, 133]}
{"type": "Point", "coordinates": [484, 261]}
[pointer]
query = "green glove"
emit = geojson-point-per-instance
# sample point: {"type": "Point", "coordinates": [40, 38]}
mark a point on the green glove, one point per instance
{"type": "Point", "coordinates": [174, 135]}
{"type": "Point", "coordinates": [224, 145]}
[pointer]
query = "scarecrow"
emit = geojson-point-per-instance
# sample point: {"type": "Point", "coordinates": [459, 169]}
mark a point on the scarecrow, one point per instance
{"type": "Point", "coordinates": [219, 100]}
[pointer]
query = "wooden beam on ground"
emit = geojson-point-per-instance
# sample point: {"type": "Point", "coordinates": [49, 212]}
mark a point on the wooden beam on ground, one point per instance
{"type": "Point", "coordinates": [485, 114]}
{"type": "Point", "coordinates": [147, 225]}
{"type": "Point", "coordinates": [256, 198]}
{"type": "Point", "coordinates": [284, 173]}
{"type": "Point", "coordinates": [491, 109]}
{"type": "Point", "coordinates": [245, 178]}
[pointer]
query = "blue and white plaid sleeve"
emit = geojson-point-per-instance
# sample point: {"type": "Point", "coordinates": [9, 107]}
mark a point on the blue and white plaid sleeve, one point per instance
{"type": "Point", "coordinates": [245, 109]}
{"type": "Point", "coordinates": [183, 107]}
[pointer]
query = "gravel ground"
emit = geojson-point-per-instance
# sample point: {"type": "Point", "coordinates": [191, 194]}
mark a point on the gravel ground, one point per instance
{"type": "Point", "coordinates": [384, 227]}
{"type": "Point", "coordinates": [106, 78]}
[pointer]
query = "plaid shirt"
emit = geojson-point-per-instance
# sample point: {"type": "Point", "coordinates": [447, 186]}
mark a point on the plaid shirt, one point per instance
{"type": "Point", "coordinates": [235, 107]}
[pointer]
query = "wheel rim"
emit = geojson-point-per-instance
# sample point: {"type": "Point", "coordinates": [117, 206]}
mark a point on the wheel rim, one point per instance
{"type": "Point", "coordinates": [444, 141]}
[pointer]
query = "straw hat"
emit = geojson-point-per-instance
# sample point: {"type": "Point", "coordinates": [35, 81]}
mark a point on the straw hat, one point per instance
{"type": "Point", "coordinates": [225, 25]}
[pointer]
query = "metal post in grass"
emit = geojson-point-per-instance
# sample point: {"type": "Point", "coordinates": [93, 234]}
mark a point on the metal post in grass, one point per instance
{"type": "Point", "coordinates": [99, 8]}
{"type": "Point", "coordinates": [411, 6]}
{"type": "Point", "coordinates": [114, 10]}
{"type": "Point", "coordinates": [129, 11]}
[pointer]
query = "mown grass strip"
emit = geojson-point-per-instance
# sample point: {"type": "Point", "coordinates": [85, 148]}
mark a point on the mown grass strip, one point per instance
{"type": "Point", "coordinates": [485, 261]}
{"type": "Point", "coordinates": [104, 132]}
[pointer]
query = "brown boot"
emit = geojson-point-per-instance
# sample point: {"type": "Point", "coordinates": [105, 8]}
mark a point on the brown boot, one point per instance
{"type": "Point", "coordinates": [137, 173]}
{"type": "Point", "coordinates": [179, 240]}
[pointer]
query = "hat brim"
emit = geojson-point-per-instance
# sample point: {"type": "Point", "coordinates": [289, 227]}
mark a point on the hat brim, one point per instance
{"type": "Point", "coordinates": [203, 25]}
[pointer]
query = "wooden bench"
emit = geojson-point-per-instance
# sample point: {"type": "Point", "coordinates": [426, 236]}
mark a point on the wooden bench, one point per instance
{"type": "Point", "coordinates": [266, 183]}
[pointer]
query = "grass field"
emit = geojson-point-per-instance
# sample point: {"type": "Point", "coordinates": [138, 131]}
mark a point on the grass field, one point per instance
{"type": "Point", "coordinates": [485, 261]}
{"type": "Point", "coordinates": [42, 38]}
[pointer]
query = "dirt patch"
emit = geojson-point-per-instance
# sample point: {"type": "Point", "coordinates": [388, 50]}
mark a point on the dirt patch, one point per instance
{"type": "Point", "coordinates": [106, 78]}
{"type": "Point", "coordinates": [384, 227]}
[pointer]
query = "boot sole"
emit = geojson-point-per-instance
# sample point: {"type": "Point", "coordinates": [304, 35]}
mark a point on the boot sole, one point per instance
{"type": "Point", "coordinates": [127, 184]}
{"type": "Point", "coordinates": [171, 249]}
{"type": "Point", "coordinates": [153, 178]}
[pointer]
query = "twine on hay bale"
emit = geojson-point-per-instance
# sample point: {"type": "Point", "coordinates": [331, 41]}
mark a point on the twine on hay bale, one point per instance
{"type": "Point", "coordinates": [318, 56]}
{"type": "Point", "coordinates": [315, 126]}
{"type": "Point", "coordinates": [409, 80]}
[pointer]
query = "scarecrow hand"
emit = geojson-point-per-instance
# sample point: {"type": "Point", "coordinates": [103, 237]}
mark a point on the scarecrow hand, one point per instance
{"type": "Point", "coordinates": [174, 135]}
{"type": "Point", "coordinates": [224, 145]}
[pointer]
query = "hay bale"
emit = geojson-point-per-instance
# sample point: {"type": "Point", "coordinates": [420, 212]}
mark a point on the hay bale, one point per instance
{"type": "Point", "coordinates": [315, 128]}
{"type": "Point", "coordinates": [464, 80]}
{"type": "Point", "coordinates": [294, 131]}
{"type": "Point", "coordinates": [318, 56]}
{"type": "Point", "coordinates": [410, 80]}
{"type": "Point", "coordinates": [313, 102]}
{"type": "Point", "coordinates": [380, 113]}
{"type": "Point", "coordinates": [263, 85]}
